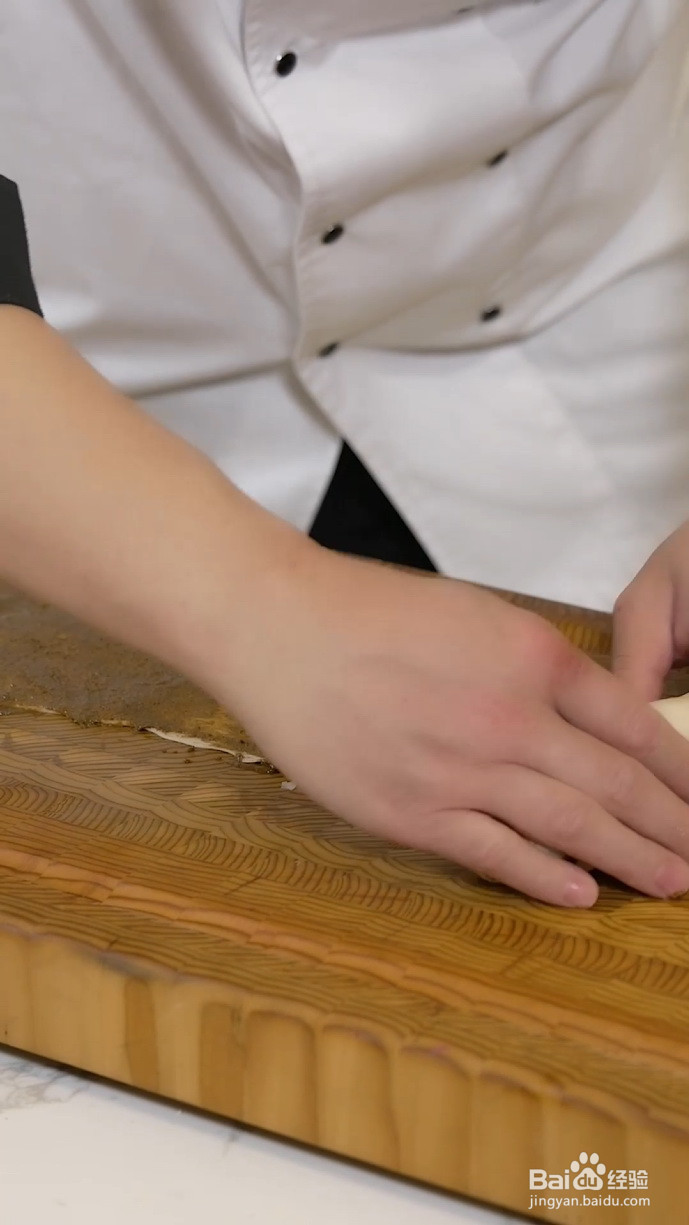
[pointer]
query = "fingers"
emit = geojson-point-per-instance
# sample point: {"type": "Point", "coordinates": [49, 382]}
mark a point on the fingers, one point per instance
{"type": "Point", "coordinates": [562, 817]}
{"type": "Point", "coordinates": [593, 701]}
{"type": "Point", "coordinates": [643, 633]}
{"type": "Point", "coordinates": [491, 849]}
{"type": "Point", "coordinates": [637, 829]}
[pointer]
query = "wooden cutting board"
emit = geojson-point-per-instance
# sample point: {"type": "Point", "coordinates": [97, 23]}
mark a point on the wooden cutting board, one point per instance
{"type": "Point", "coordinates": [176, 920]}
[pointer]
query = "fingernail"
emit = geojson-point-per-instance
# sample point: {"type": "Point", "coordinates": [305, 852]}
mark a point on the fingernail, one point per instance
{"type": "Point", "coordinates": [578, 892]}
{"type": "Point", "coordinates": [672, 880]}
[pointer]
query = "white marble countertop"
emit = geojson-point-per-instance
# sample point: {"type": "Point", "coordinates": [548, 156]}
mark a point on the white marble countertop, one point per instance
{"type": "Point", "coordinates": [75, 1150]}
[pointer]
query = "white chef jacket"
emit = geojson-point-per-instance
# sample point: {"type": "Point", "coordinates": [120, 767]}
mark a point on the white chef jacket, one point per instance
{"type": "Point", "coordinates": [508, 292]}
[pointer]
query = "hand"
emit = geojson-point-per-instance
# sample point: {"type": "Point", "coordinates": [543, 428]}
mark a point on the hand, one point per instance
{"type": "Point", "coordinates": [419, 708]}
{"type": "Point", "coordinates": [435, 714]}
{"type": "Point", "coordinates": [651, 619]}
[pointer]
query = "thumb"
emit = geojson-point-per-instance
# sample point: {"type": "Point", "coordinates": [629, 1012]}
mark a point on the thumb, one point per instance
{"type": "Point", "coordinates": [643, 648]}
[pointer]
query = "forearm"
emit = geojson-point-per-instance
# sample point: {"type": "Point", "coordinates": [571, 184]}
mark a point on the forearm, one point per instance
{"type": "Point", "coordinates": [110, 516]}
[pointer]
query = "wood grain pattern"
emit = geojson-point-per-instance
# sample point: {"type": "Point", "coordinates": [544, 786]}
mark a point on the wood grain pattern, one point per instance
{"type": "Point", "coordinates": [174, 920]}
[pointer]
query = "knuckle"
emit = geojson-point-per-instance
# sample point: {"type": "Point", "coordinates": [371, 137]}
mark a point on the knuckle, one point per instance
{"type": "Point", "coordinates": [567, 665]}
{"type": "Point", "coordinates": [539, 640]}
{"type": "Point", "coordinates": [622, 602]}
{"type": "Point", "coordinates": [640, 731]}
{"type": "Point", "coordinates": [490, 853]}
{"type": "Point", "coordinates": [623, 657]}
{"type": "Point", "coordinates": [622, 784]}
{"type": "Point", "coordinates": [568, 825]}
{"type": "Point", "coordinates": [550, 655]}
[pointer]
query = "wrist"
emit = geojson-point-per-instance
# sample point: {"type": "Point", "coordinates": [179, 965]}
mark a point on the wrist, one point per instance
{"type": "Point", "coordinates": [253, 574]}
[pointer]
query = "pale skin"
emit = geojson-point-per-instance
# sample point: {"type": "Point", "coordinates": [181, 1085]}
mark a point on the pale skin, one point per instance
{"type": "Point", "coordinates": [419, 708]}
{"type": "Point", "coordinates": [652, 618]}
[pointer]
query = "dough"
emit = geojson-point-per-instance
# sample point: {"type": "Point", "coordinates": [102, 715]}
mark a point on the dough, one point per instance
{"type": "Point", "coordinates": [676, 711]}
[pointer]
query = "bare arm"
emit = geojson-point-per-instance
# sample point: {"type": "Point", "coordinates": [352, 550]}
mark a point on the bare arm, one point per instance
{"type": "Point", "coordinates": [426, 711]}
{"type": "Point", "coordinates": [107, 514]}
